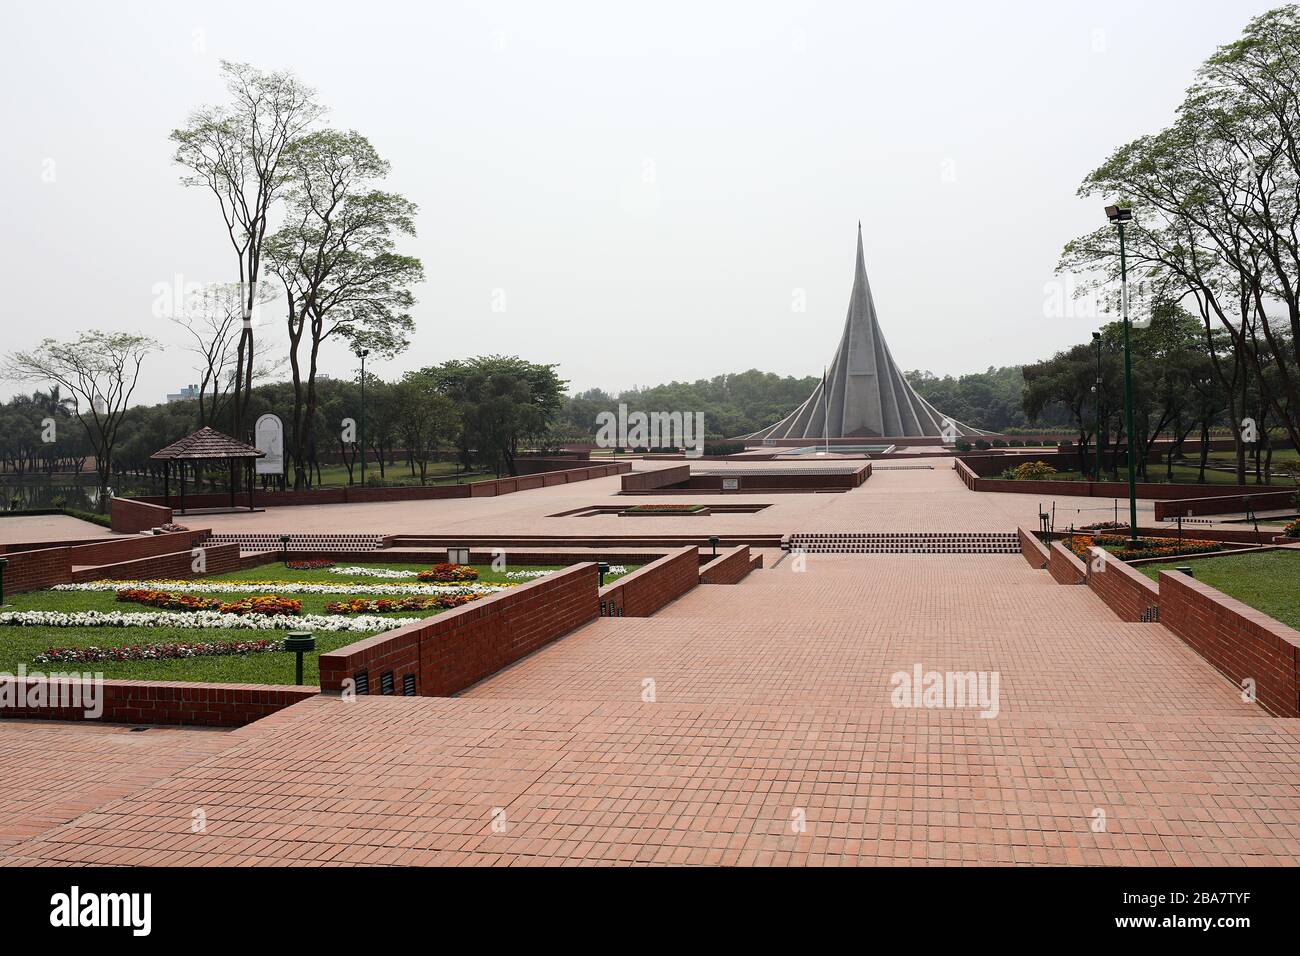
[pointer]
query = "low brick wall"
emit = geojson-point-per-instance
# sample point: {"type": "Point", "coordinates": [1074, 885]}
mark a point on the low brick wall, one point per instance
{"type": "Point", "coordinates": [455, 649]}
{"type": "Point", "coordinates": [1033, 550]}
{"type": "Point", "coordinates": [1063, 566]}
{"type": "Point", "coordinates": [131, 547]}
{"type": "Point", "coordinates": [130, 515]}
{"type": "Point", "coordinates": [182, 703]}
{"type": "Point", "coordinates": [353, 493]}
{"type": "Point", "coordinates": [217, 559]}
{"type": "Point", "coordinates": [1129, 593]}
{"type": "Point", "coordinates": [1146, 490]}
{"type": "Point", "coordinates": [37, 570]}
{"type": "Point", "coordinates": [660, 478]}
{"type": "Point", "coordinates": [647, 589]}
{"type": "Point", "coordinates": [729, 567]}
{"type": "Point", "coordinates": [1239, 641]}
{"type": "Point", "coordinates": [1225, 504]}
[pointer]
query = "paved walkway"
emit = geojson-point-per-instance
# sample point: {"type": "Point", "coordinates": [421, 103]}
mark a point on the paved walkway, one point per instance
{"type": "Point", "coordinates": [768, 737]}
{"type": "Point", "coordinates": [889, 501]}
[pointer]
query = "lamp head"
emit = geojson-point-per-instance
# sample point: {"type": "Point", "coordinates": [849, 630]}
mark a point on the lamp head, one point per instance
{"type": "Point", "coordinates": [1118, 214]}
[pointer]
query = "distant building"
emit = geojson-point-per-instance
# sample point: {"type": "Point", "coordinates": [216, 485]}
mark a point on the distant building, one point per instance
{"type": "Point", "coordinates": [186, 394]}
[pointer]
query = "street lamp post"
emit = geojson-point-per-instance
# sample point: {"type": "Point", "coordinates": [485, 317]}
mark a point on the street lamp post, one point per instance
{"type": "Point", "coordinates": [1120, 215]}
{"type": "Point", "coordinates": [1096, 337]}
{"type": "Point", "coordinates": [362, 353]}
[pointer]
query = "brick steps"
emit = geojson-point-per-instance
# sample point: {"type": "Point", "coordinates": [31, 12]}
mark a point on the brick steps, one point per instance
{"type": "Point", "coordinates": [903, 542]}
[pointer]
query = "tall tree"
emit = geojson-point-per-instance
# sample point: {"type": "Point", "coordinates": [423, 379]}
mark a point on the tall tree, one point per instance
{"type": "Point", "coordinates": [336, 256]}
{"type": "Point", "coordinates": [237, 152]}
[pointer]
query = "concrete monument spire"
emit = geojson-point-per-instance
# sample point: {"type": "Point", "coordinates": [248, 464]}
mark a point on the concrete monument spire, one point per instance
{"type": "Point", "coordinates": [863, 394]}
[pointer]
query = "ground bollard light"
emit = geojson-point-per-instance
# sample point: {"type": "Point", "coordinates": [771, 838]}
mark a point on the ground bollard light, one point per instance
{"type": "Point", "coordinates": [713, 543]}
{"type": "Point", "coordinates": [284, 547]}
{"type": "Point", "coordinates": [604, 570]}
{"type": "Point", "coordinates": [300, 643]}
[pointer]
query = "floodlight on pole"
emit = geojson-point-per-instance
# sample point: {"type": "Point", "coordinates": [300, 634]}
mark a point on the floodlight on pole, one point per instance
{"type": "Point", "coordinates": [1120, 215]}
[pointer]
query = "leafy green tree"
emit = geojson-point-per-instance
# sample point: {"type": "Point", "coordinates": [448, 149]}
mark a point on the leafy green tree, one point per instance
{"type": "Point", "coordinates": [336, 256]}
{"type": "Point", "coordinates": [503, 401]}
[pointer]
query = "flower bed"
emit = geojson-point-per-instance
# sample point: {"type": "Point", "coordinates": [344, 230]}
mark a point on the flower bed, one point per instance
{"type": "Point", "coordinates": [167, 600]}
{"type": "Point", "coordinates": [1082, 546]}
{"type": "Point", "coordinates": [1106, 526]}
{"type": "Point", "coordinates": [288, 587]}
{"type": "Point", "coordinates": [373, 572]}
{"type": "Point", "coordinates": [267, 604]}
{"type": "Point", "coordinates": [664, 509]}
{"type": "Point", "coordinates": [1293, 529]}
{"type": "Point", "coordinates": [448, 572]}
{"type": "Point", "coordinates": [309, 565]}
{"type": "Point", "coordinates": [154, 652]}
{"type": "Point", "coordinates": [385, 605]}
{"type": "Point", "coordinates": [197, 620]}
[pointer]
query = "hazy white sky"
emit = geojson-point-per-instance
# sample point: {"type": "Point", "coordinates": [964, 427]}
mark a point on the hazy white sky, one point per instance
{"type": "Point", "coordinates": [648, 186]}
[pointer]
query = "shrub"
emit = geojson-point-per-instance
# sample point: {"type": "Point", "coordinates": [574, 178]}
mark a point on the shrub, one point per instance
{"type": "Point", "coordinates": [1016, 443]}
{"type": "Point", "coordinates": [448, 572]}
{"type": "Point", "coordinates": [999, 443]}
{"type": "Point", "coordinates": [963, 445]}
{"type": "Point", "coordinates": [982, 444]}
{"type": "Point", "coordinates": [1293, 529]}
{"type": "Point", "coordinates": [1033, 471]}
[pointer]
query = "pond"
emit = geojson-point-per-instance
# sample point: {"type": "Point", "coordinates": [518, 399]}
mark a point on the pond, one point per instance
{"type": "Point", "coordinates": [55, 491]}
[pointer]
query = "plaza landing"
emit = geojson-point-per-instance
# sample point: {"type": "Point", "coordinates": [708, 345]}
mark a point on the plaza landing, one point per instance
{"type": "Point", "coordinates": [743, 724]}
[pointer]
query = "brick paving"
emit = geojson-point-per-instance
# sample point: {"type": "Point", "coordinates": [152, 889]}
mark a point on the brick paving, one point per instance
{"type": "Point", "coordinates": [55, 771]}
{"type": "Point", "coordinates": [770, 740]}
{"type": "Point", "coordinates": [889, 501]}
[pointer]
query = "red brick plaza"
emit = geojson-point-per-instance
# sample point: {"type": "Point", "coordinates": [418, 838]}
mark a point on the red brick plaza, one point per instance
{"type": "Point", "coordinates": [753, 718]}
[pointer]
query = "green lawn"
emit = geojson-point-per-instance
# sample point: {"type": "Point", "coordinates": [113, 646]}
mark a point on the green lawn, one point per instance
{"type": "Point", "coordinates": [1266, 580]}
{"type": "Point", "coordinates": [19, 645]}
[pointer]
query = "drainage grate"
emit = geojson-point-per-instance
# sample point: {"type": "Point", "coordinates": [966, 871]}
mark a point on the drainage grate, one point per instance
{"type": "Point", "coordinates": [408, 685]}
{"type": "Point", "coordinates": [1151, 615]}
{"type": "Point", "coordinates": [386, 685]}
{"type": "Point", "coordinates": [361, 680]}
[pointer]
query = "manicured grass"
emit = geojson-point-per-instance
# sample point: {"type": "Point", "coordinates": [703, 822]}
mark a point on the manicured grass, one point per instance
{"type": "Point", "coordinates": [1266, 580]}
{"type": "Point", "coordinates": [19, 645]}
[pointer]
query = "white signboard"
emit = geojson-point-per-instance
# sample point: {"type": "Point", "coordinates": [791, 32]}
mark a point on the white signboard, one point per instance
{"type": "Point", "coordinates": [730, 484]}
{"type": "Point", "coordinates": [268, 434]}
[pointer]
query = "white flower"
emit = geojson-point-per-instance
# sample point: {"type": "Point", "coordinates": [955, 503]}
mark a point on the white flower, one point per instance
{"type": "Point", "coordinates": [282, 587]}
{"type": "Point", "coordinates": [201, 620]}
{"type": "Point", "coordinates": [374, 572]}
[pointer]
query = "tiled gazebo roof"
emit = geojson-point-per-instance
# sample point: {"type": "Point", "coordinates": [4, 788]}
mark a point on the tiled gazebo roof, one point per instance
{"type": "Point", "coordinates": [206, 443]}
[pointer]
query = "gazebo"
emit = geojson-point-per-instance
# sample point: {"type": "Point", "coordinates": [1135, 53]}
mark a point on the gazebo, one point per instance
{"type": "Point", "coordinates": [207, 444]}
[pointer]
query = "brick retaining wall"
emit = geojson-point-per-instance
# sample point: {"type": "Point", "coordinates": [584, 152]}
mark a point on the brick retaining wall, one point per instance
{"type": "Point", "coordinates": [1099, 489]}
{"type": "Point", "coordinates": [1239, 641]}
{"type": "Point", "coordinates": [1063, 566]}
{"type": "Point", "coordinates": [218, 559]}
{"type": "Point", "coordinates": [649, 480]}
{"type": "Point", "coordinates": [1225, 504]}
{"type": "Point", "coordinates": [452, 650]}
{"type": "Point", "coordinates": [354, 493]}
{"type": "Point", "coordinates": [647, 589]}
{"type": "Point", "coordinates": [130, 515]}
{"type": "Point", "coordinates": [1034, 551]}
{"type": "Point", "coordinates": [163, 702]}
{"type": "Point", "coordinates": [1129, 593]}
{"type": "Point", "coordinates": [729, 567]}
